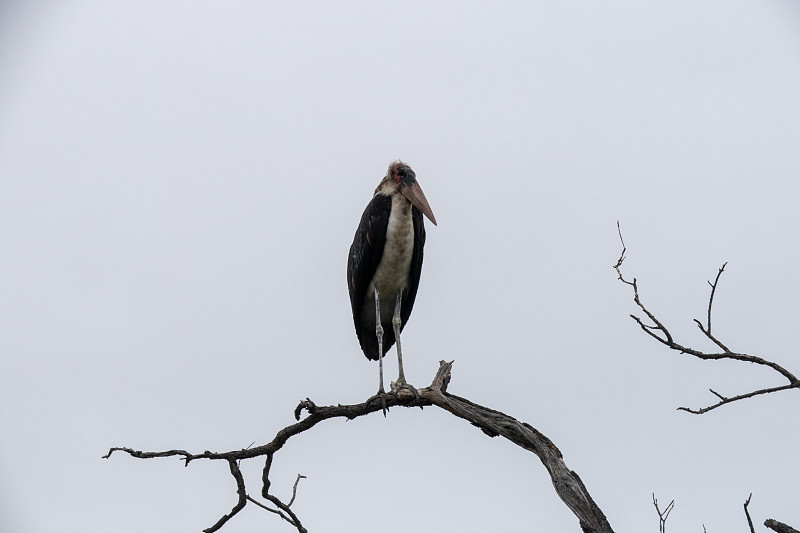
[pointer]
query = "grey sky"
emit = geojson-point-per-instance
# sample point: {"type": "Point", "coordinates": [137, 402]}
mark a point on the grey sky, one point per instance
{"type": "Point", "coordinates": [180, 183]}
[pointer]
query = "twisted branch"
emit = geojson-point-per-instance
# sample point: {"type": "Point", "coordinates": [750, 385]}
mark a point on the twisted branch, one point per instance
{"type": "Point", "coordinates": [568, 485]}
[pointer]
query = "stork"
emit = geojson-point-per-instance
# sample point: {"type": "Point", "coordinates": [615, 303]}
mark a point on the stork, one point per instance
{"type": "Point", "coordinates": [384, 266]}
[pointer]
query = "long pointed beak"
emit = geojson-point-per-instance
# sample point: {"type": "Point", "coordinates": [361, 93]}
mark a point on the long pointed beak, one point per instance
{"type": "Point", "coordinates": [415, 195]}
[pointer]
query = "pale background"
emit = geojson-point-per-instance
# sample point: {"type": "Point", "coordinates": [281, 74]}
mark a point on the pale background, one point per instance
{"type": "Point", "coordinates": [180, 183]}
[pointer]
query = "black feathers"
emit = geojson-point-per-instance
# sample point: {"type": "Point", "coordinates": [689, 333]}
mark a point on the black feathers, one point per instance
{"type": "Point", "coordinates": [365, 256]}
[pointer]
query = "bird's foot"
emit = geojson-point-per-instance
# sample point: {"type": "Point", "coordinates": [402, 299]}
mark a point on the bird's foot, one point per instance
{"type": "Point", "coordinates": [400, 385]}
{"type": "Point", "coordinates": [382, 395]}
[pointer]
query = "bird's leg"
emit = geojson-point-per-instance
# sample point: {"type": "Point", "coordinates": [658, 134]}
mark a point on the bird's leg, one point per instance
{"type": "Point", "coordinates": [379, 333]}
{"type": "Point", "coordinates": [396, 324]}
{"type": "Point", "coordinates": [396, 321]}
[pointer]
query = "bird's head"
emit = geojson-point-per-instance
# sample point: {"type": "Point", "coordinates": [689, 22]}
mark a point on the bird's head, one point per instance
{"type": "Point", "coordinates": [400, 178]}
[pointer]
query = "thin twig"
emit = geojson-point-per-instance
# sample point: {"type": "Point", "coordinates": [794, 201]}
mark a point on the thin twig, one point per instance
{"type": "Point", "coordinates": [270, 509]}
{"type": "Point", "coordinates": [663, 515]}
{"type": "Point", "coordinates": [291, 517]}
{"type": "Point", "coordinates": [707, 329]}
{"type": "Point", "coordinates": [747, 514]}
{"type": "Point", "coordinates": [294, 489]}
{"type": "Point", "coordinates": [726, 400]}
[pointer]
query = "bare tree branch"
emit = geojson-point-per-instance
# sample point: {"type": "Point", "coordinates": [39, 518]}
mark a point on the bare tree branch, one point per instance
{"type": "Point", "coordinates": [240, 490]}
{"type": "Point", "coordinates": [780, 527]}
{"type": "Point", "coordinates": [270, 509]}
{"type": "Point", "coordinates": [747, 514]}
{"type": "Point", "coordinates": [567, 484]}
{"type": "Point", "coordinates": [707, 329]}
{"type": "Point", "coordinates": [663, 515]}
{"type": "Point", "coordinates": [657, 330]}
{"type": "Point", "coordinates": [294, 488]}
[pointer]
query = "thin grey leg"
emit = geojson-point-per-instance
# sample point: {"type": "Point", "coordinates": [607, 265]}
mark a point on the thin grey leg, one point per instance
{"type": "Point", "coordinates": [396, 323]}
{"type": "Point", "coordinates": [379, 334]}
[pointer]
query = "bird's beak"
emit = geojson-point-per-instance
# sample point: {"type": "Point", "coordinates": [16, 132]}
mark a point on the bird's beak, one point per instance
{"type": "Point", "coordinates": [414, 193]}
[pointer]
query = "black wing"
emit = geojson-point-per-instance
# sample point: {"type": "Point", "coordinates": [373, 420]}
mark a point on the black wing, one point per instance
{"type": "Point", "coordinates": [365, 255]}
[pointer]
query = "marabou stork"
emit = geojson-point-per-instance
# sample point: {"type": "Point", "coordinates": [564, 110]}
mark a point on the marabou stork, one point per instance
{"type": "Point", "coordinates": [385, 263]}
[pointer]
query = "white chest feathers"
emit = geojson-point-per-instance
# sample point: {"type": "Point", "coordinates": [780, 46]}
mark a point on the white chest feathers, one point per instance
{"type": "Point", "coordinates": [391, 275]}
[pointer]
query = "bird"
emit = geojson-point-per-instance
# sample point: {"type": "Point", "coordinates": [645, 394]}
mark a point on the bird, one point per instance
{"type": "Point", "coordinates": [384, 266]}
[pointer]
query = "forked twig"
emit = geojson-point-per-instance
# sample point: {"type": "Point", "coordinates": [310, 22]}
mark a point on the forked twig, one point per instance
{"type": "Point", "coordinates": [663, 515]}
{"type": "Point", "coordinates": [747, 514]}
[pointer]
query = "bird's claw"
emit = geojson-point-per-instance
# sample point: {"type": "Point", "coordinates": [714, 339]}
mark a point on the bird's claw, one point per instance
{"type": "Point", "coordinates": [382, 395]}
{"type": "Point", "coordinates": [400, 385]}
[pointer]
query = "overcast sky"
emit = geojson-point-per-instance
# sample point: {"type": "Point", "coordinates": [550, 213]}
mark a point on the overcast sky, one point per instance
{"type": "Point", "coordinates": [179, 186]}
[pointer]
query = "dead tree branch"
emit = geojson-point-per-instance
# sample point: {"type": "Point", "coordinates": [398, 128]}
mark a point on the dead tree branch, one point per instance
{"type": "Point", "coordinates": [657, 330]}
{"type": "Point", "coordinates": [663, 515]}
{"type": "Point", "coordinates": [567, 484]}
{"type": "Point", "coordinates": [747, 514]}
{"type": "Point", "coordinates": [780, 527]}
